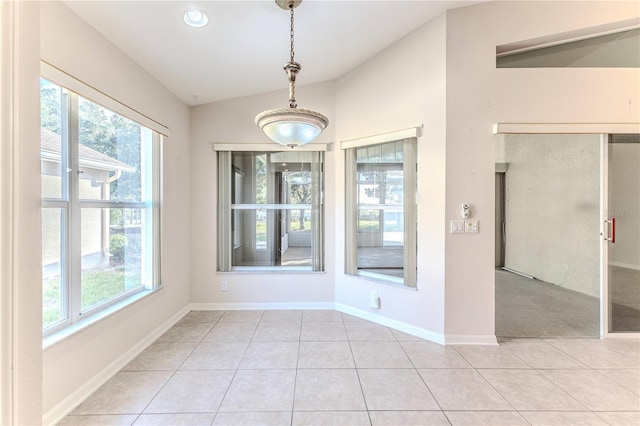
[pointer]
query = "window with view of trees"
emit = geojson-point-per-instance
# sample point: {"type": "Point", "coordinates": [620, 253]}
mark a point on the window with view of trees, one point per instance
{"type": "Point", "coordinates": [270, 210]}
{"type": "Point", "coordinates": [100, 215]}
{"type": "Point", "coordinates": [381, 210]}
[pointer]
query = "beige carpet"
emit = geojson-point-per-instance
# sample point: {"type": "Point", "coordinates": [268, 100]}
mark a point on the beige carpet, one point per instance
{"type": "Point", "coordinates": [534, 308]}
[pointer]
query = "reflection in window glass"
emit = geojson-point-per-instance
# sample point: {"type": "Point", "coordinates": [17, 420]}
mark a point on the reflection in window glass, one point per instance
{"type": "Point", "coordinates": [109, 153]}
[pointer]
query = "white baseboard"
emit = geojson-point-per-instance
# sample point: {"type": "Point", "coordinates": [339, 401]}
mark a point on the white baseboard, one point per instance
{"type": "Point", "coordinates": [62, 409]}
{"type": "Point", "coordinates": [260, 306]}
{"type": "Point", "coordinates": [417, 331]}
{"type": "Point", "coordinates": [472, 339]}
{"type": "Point", "coordinates": [396, 325]}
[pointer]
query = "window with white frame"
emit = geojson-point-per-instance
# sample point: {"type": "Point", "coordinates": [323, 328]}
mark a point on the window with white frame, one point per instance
{"type": "Point", "coordinates": [100, 186]}
{"type": "Point", "coordinates": [270, 208]}
{"type": "Point", "coordinates": [381, 208]}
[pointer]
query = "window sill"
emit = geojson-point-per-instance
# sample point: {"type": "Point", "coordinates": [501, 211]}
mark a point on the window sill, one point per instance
{"type": "Point", "coordinates": [383, 279]}
{"type": "Point", "coordinates": [272, 270]}
{"type": "Point", "coordinates": [61, 335]}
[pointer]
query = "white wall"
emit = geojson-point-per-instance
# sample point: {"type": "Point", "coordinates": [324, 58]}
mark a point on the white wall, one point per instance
{"type": "Point", "coordinates": [553, 209]}
{"type": "Point", "coordinates": [403, 86]}
{"type": "Point", "coordinates": [70, 44]}
{"type": "Point", "coordinates": [20, 271]}
{"type": "Point", "coordinates": [232, 122]}
{"type": "Point", "coordinates": [479, 95]}
{"type": "Point", "coordinates": [442, 76]}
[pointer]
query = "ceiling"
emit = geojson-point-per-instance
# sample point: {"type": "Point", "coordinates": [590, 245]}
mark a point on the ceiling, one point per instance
{"type": "Point", "coordinates": [242, 50]}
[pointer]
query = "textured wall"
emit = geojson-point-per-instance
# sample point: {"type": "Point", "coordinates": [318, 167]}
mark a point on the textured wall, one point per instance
{"type": "Point", "coordinates": [553, 209]}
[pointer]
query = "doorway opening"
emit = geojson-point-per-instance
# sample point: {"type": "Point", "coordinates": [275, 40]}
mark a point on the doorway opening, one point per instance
{"type": "Point", "coordinates": [547, 235]}
{"type": "Point", "coordinates": [567, 235]}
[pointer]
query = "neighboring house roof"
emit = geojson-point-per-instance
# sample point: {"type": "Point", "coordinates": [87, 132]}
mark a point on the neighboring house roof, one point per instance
{"type": "Point", "coordinates": [87, 157]}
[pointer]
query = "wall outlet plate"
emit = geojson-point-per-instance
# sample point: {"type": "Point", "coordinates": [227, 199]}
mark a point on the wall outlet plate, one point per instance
{"type": "Point", "coordinates": [374, 300]}
{"type": "Point", "coordinates": [471, 226]}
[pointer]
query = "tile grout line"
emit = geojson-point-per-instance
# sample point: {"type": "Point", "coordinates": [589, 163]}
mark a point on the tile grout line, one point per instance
{"type": "Point", "coordinates": [142, 412]}
{"type": "Point", "coordinates": [235, 371]}
{"type": "Point", "coordinates": [295, 380]}
{"type": "Point", "coordinates": [355, 367]}
{"type": "Point", "coordinates": [423, 380]}
{"type": "Point", "coordinates": [215, 415]}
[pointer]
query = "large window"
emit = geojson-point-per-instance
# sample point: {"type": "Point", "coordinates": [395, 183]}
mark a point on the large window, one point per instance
{"type": "Point", "coordinates": [100, 214]}
{"type": "Point", "coordinates": [381, 210]}
{"type": "Point", "coordinates": [270, 212]}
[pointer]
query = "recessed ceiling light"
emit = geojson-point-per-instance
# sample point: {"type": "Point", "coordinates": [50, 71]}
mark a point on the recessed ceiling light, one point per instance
{"type": "Point", "coordinates": [196, 18]}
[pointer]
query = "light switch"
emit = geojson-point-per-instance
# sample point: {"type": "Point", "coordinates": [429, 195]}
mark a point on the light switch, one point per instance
{"type": "Point", "coordinates": [471, 226]}
{"type": "Point", "coordinates": [457, 226]}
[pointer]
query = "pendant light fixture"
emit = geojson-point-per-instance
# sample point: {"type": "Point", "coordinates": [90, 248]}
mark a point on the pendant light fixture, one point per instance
{"type": "Point", "coordinates": [291, 126]}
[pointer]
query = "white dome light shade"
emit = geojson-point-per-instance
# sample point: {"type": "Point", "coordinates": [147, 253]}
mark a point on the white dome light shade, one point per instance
{"type": "Point", "coordinates": [196, 18]}
{"type": "Point", "coordinates": [291, 126]}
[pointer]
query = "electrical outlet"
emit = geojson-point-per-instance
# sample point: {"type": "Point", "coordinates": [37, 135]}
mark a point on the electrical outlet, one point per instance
{"type": "Point", "coordinates": [374, 300]}
{"type": "Point", "coordinates": [472, 226]}
{"type": "Point", "coordinates": [224, 286]}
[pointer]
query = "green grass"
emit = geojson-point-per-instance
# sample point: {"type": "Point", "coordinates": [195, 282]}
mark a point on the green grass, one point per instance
{"type": "Point", "coordinates": [51, 301]}
{"type": "Point", "coordinates": [102, 285]}
{"type": "Point", "coordinates": [295, 225]}
{"type": "Point", "coordinates": [368, 225]}
{"type": "Point", "coordinates": [98, 286]}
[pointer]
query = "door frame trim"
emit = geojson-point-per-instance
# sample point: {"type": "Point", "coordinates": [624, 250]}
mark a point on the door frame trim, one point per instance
{"type": "Point", "coordinates": [604, 246]}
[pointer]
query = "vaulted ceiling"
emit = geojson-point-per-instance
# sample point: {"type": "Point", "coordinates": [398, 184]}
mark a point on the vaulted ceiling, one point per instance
{"type": "Point", "coordinates": [242, 49]}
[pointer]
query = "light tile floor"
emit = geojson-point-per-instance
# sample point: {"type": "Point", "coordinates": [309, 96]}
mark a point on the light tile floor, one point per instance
{"type": "Point", "coordinates": [329, 368]}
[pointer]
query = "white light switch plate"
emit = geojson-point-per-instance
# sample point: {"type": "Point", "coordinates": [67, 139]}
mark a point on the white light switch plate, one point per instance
{"type": "Point", "coordinates": [457, 226]}
{"type": "Point", "coordinates": [471, 226]}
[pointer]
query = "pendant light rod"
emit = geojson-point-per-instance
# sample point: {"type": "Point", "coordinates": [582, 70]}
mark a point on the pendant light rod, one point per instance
{"type": "Point", "coordinates": [292, 68]}
{"type": "Point", "coordinates": [291, 126]}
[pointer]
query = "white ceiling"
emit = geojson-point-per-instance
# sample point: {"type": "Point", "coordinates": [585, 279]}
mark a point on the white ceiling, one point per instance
{"type": "Point", "coordinates": [242, 50]}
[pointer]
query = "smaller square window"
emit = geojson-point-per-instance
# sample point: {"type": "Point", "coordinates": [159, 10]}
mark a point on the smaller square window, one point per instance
{"type": "Point", "coordinates": [270, 210]}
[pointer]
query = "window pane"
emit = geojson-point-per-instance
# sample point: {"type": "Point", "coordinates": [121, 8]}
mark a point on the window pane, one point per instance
{"type": "Point", "coordinates": [261, 228]}
{"type": "Point", "coordinates": [109, 154]}
{"type": "Point", "coordinates": [53, 152]}
{"type": "Point", "coordinates": [53, 290]}
{"type": "Point", "coordinates": [368, 220]}
{"type": "Point", "coordinates": [92, 257]}
{"type": "Point", "coordinates": [261, 179]}
{"type": "Point", "coordinates": [294, 246]}
{"type": "Point", "coordinates": [273, 236]}
{"type": "Point", "coordinates": [298, 191]}
{"type": "Point", "coordinates": [112, 260]}
{"type": "Point", "coordinates": [380, 192]}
